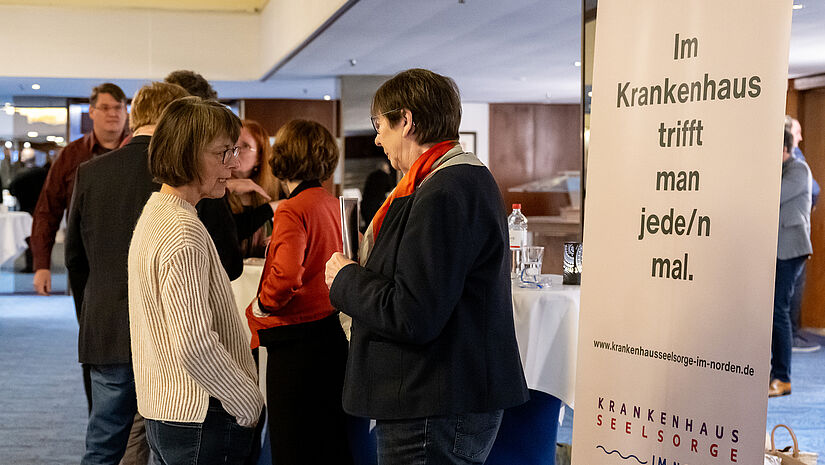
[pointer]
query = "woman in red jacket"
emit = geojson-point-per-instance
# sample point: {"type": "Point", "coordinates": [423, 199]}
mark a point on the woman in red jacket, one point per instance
{"type": "Point", "coordinates": [292, 316]}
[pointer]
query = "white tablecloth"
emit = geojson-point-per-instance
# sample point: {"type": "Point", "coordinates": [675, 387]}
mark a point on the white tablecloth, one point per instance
{"type": "Point", "coordinates": [245, 287]}
{"type": "Point", "coordinates": [547, 331]}
{"type": "Point", "coordinates": [15, 227]}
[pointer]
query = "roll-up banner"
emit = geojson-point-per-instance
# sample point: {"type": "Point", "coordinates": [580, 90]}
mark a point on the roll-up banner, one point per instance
{"type": "Point", "coordinates": [680, 234]}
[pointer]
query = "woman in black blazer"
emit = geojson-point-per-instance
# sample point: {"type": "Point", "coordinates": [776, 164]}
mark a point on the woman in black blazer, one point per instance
{"type": "Point", "coordinates": [433, 354]}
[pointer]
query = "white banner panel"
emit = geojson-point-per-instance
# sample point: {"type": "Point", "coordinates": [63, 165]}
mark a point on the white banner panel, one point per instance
{"type": "Point", "coordinates": [680, 231]}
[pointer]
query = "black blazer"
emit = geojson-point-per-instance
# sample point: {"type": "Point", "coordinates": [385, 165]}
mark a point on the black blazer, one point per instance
{"type": "Point", "coordinates": [109, 195]}
{"type": "Point", "coordinates": [432, 315]}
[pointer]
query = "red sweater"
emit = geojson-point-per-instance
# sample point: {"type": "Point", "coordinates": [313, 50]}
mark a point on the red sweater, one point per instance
{"type": "Point", "coordinates": [306, 232]}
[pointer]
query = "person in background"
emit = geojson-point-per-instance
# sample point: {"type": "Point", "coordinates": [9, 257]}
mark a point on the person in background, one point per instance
{"type": "Point", "coordinates": [25, 187]}
{"type": "Point", "coordinates": [433, 355]}
{"type": "Point", "coordinates": [292, 316]}
{"type": "Point", "coordinates": [195, 379]}
{"type": "Point", "coordinates": [215, 213]}
{"type": "Point", "coordinates": [377, 186]}
{"type": "Point", "coordinates": [800, 342]}
{"type": "Point", "coordinates": [107, 110]}
{"type": "Point", "coordinates": [193, 82]}
{"type": "Point", "coordinates": [109, 194]}
{"type": "Point", "coordinates": [794, 247]}
{"type": "Point", "coordinates": [253, 211]}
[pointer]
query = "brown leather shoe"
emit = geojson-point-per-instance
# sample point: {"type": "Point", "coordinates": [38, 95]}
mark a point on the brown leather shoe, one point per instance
{"type": "Point", "coordinates": [779, 388]}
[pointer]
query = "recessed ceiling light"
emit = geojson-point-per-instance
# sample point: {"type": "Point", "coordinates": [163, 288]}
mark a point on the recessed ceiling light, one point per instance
{"type": "Point", "coordinates": [590, 94]}
{"type": "Point", "coordinates": [577, 64]}
{"type": "Point", "coordinates": [327, 97]}
{"type": "Point", "coordinates": [59, 140]}
{"type": "Point", "coordinates": [797, 6]}
{"type": "Point", "coordinates": [36, 86]}
{"type": "Point", "coordinates": [50, 138]}
{"type": "Point", "coordinates": [27, 145]}
{"type": "Point", "coordinates": [353, 62]}
{"type": "Point", "coordinates": [32, 134]}
{"type": "Point", "coordinates": [9, 144]}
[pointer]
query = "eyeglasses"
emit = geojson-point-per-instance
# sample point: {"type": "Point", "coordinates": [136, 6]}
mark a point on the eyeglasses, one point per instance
{"type": "Point", "coordinates": [374, 119]}
{"type": "Point", "coordinates": [107, 108]}
{"type": "Point", "coordinates": [229, 154]}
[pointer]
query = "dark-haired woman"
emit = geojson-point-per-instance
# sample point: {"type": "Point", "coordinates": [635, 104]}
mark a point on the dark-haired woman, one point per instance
{"type": "Point", "coordinates": [292, 316]}
{"type": "Point", "coordinates": [433, 354]}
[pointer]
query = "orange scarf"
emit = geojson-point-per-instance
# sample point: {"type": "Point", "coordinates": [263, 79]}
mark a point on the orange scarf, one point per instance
{"type": "Point", "coordinates": [419, 170]}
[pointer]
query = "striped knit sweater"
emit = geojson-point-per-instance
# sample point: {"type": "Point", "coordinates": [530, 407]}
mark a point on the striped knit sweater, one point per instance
{"type": "Point", "coordinates": [187, 338]}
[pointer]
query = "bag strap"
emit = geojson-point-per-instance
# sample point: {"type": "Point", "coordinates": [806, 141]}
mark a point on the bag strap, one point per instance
{"type": "Point", "coordinates": [793, 437]}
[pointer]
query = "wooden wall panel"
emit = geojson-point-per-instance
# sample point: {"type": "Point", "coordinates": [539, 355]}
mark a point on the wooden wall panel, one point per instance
{"type": "Point", "coordinates": [530, 142]}
{"type": "Point", "coordinates": [792, 100]}
{"type": "Point", "coordinates": [812, 119]}
{"type": "Point", "coordinates": [274, 113]}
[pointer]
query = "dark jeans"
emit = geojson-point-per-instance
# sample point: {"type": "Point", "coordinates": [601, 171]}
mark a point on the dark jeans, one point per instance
{"type": "Point", "coordinates": [782, 338]}
{"type": "Point", "coordinates": [796, 300]}
{"type": "Point", "coordinates": [462, 438]}
{"type": "Point", "coordinates": [113, 410]}
{"type": "Point", "coordinates": [218, 440]}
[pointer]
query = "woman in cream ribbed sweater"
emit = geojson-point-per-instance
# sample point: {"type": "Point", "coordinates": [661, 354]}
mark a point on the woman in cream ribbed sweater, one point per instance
{"type": "Point", "coordinates": [195, 378]}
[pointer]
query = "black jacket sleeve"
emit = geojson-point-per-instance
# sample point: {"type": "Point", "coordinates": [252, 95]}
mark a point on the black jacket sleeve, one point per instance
{"type": "Point", "coordinates": [216, 215]}
{"type": "Point", "coordinates": [249, 220]}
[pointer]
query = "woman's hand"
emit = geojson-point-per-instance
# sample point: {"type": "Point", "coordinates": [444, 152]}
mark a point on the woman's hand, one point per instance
{"type": "Point", "coordinates": [334, 265]}
{"type": "Point", "coordinates": [245, 186]}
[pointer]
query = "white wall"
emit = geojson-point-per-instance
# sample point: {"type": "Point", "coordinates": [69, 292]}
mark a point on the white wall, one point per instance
{"type": "Point", "coordinates": [286, 24]}
{"type": "Point", "coordinates": [118, 44]}
{"type": "Point", "coordinates": [475, 117]}
{"type": "Point", "coordinates": [72, 42]}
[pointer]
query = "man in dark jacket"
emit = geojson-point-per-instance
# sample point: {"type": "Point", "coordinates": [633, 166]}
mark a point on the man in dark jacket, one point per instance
{"type": "Point", "coordinates": [109, 195]}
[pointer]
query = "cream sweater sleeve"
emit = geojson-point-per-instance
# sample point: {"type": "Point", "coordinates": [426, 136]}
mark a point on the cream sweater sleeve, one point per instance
{"type": "Point", "coordinates": [184, 278]}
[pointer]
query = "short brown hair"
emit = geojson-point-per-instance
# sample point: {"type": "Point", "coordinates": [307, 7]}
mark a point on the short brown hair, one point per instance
{"type": "Point", "coordinates": [432, 99]}
{"type": "Point", "coordinates": [186, 127]}
{"type": "Point", "coordinates": [304, 150]}
{"type": "Point", "coordinates": [193, 82]}
{"type": "Point", "coordinates": [150, 100]}
{"type": "Point", "coordinates": [107, 88]}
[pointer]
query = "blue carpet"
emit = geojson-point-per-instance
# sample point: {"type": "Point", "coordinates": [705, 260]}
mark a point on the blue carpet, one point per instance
{"type": "Point", "coordinates": [803, 410]}
{"type": "Point", "coordinates": [43, 408]}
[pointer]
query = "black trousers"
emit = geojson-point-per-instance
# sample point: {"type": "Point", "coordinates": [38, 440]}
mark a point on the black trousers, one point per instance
{"type": "Point", "coordinates": [304, 380]}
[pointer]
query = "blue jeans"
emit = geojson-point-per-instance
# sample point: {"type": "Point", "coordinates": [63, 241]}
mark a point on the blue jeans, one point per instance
{"type": "Point", "coordinates": [113, 409]}
{"type": "Point", "coordinates": [462, 438]}
{"type": "Point", "coordinates": [782, 337]}
{"type": "Point", "coordinates": [796, 300]}
{"type": "Point", "coordinates": [218, 440]}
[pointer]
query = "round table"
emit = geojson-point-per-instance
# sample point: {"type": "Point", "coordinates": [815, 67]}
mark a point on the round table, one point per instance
{"type": "Point", "coordinates": [15, 227]}
{"type": "Point", "coordinates": [546, 323]}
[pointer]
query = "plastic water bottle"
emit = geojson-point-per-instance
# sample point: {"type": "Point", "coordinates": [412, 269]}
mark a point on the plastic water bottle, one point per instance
{"type": "Point", "coordinates": [517, 224]}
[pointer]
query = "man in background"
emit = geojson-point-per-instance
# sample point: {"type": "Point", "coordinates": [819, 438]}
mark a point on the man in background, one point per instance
{"type": "Point", "coordinates": [109, 195]}
{"type": "Point", "coordinates": [800, 342]}
{"type": "Point", "coordinates": [793, 248]}
{"type": "Point", "coordinates": [107, 109]}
